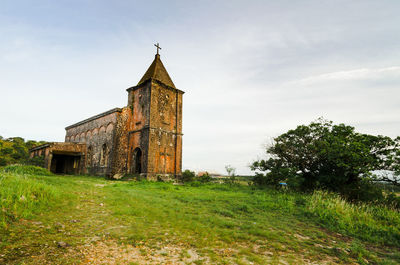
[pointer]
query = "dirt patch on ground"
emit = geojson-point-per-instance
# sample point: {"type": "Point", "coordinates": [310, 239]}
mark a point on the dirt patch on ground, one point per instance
{"type": "Point", "coordinates": [110, 252]}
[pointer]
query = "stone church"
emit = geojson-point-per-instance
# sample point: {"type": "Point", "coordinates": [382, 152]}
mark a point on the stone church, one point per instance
{"type": "Point", "coordinates": [145, 137]}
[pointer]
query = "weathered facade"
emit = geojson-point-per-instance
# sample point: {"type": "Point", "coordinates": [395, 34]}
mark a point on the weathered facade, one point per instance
{"type": "Point", "coordinates": [65, 158]}
{"type": "Point", "coordinates": [145, 137]}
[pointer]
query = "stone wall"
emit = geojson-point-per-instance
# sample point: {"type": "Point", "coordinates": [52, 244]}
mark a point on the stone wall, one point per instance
{"type": "Point", "coordinates": [98, 135]}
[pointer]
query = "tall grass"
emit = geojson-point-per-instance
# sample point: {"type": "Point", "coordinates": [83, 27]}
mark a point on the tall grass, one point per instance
{"type": "Point", "coordinates": [21, 194]}
{"type": "Point", "coordinates": [374, 223]}
{"type": "Point", "coordinates": [26, 170]}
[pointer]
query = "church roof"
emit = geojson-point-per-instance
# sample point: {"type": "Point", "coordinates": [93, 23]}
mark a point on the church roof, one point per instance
{"type": "Point", "coordinates": [157, 71]}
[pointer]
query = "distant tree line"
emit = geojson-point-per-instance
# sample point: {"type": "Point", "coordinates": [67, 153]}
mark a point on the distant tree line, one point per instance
{"type": "Point", "coordinates": [15, 150]}
{"type": "Point", "coordinates": [333, 157]}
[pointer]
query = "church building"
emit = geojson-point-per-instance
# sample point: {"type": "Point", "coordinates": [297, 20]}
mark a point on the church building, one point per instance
{"type": "Point", "coordinates": [145, 137]}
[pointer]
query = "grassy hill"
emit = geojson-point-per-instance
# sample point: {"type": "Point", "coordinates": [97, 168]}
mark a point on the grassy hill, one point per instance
{"type": "Point", "coordinates": [52, 219]}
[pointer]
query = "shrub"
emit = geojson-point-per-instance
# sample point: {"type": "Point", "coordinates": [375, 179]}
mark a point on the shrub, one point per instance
{"type": "Point", "coordinates": [205, 178]}
{"type": "Point", "coordinates": [365, 190]}
{"type": "Point", "coordinates": [36, 161]}
{"type": "Point", "coordinates": [195, 184]}
{"type": "Point", "coordinates": [392, 200]}
{"type": "Point", "coordinates": [188, 176]}
{"type": "Point", "coordinates": [29, 170]}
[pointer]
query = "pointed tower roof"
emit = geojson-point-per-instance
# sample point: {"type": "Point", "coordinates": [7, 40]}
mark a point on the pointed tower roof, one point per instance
{"type": "Point", "coordinates": [157, 71]}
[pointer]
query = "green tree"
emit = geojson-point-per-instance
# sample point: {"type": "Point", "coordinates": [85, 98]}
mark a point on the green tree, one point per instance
{"type": "Point", "coordinates": [231, 174]}
{"type": "Point", "coordinates": [328, 156]}
{"type": "Point", "coordinates": [230, 170]}
{"type": "Point", "coordinates": [15, 150]}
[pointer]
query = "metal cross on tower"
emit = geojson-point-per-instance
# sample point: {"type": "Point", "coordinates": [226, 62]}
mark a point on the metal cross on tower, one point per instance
{"type": "Point", "coordinates": [158, 47]}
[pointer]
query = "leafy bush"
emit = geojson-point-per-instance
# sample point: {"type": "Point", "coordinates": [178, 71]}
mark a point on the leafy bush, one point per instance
{"type": "Point", "coordinates": [365, 190]}
{"type": "Point", "coordinates": [205, 178]}
{"type": "Point", "coordinates": [392, 200]}
{"type": "Point", "coordinates": [27, 170]}
{"type": "Point", "coordinates": [36, 161]}
{"type": "Point", "coordinates": [195, 183]}
{"type": "Point", "coordinates": [188, 176]}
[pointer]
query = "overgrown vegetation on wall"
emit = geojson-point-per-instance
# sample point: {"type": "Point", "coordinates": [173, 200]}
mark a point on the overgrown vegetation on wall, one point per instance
{"type": "Point", "coordinates": [15, 150]}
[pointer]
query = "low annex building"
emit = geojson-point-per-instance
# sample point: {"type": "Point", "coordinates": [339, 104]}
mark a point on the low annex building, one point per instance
{"type": "Point", "coordinates": [145, 137]}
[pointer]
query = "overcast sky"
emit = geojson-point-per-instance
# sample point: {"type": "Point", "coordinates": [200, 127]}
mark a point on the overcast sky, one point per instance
{"type": "Point", "coordinates": [251, 70]}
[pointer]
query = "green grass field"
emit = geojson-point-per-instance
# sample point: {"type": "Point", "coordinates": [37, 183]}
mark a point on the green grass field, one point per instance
{"type": "Point", "coordinates": [52, 219]}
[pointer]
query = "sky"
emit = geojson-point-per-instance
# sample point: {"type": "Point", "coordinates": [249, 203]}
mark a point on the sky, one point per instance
{"type": "Point", "coordinates": [251, 70]}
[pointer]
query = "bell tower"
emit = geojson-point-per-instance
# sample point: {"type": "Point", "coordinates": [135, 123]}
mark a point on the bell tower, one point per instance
{"type": "Point", "coordinates": [155, 124]}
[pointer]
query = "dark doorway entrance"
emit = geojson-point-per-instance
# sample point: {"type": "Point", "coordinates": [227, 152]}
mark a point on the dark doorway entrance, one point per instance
{"type": "Point", "coordinates": [65, 164]}
{"type": "Point", "coordinates": [136, 162]}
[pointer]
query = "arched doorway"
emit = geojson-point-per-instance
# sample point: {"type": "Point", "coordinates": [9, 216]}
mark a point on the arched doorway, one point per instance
{"type": "Point", "coordinates": [136, 162]}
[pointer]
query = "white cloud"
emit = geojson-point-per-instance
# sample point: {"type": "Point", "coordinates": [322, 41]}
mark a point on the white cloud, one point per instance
{"type": "Point", "coordinates": [356, 74]}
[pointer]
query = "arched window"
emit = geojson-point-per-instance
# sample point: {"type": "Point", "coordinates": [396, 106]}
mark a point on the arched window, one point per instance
{"type": "Point", "coordinates": [89, 156]}
{"type": "Point", "coordinates": [103, 155]}
{"type": "Point", "coordinates": [88, 136]}
{"type": "Point", "coordinates": [106, 152]}
{"type": "Point", "coordinates": [82, 138]}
